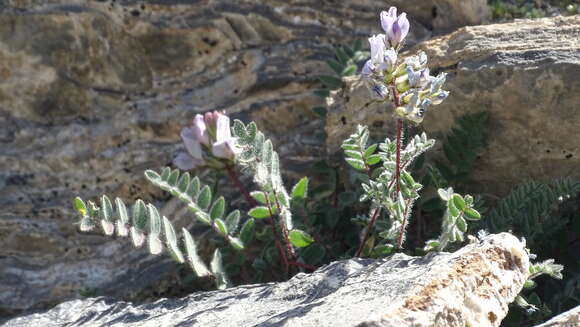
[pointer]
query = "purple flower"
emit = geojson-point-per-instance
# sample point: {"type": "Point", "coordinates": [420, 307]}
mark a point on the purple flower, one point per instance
{"type": "Point", "coordinates": [223, 146]}
{"type": "Point", "coordinates": [209, 134]}
{"type": "Point", "coordinates": [191, 137]}
{"type": "Point", "coordinates": [378, 47]}
{"type": "Point", "coordinates": [396, 27]}
{"type": "Point", "coordinates": [368, 68]}
{"type": "Point", "coordinates": [381, 58]}
{"type": "Point", "coordinates": [418, 78]}
{"type": "Point", "coordinates": [199, 129]}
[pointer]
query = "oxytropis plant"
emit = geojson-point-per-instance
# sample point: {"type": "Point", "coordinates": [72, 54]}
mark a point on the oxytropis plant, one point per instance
{"type": "Point", "coordinates": [409, 87]}
{"type": "Point", "coordinates": [268, 240]}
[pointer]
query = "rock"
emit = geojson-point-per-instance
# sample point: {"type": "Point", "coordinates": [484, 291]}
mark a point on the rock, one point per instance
{"type": "Point", "coordinates": [94, 92]}
{"type": "Point", "coordinates": [446, 15]}
{"type": "Point", "coordinates": [524, 74]}
{"type": "Point", "coordinates": [471, 287]}
{"type": "Point", "coordinates": [569, 318]}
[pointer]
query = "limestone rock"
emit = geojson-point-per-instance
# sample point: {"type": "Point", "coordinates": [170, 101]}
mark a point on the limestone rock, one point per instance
{"type": "Point", "coordinates": [471, 287]}
{"type": "Point", "coordinates": [525, 74]}
{"type": "Point", "coordinates": [94, 92]}
{"type": "Point", "coordinates": [569, 318]}
{"type": "Point", "coordinates": [447, 15]}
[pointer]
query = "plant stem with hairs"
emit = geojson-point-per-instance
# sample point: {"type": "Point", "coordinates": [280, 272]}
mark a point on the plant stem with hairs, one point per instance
{"type": "Point", "coordinates": [233, 175]}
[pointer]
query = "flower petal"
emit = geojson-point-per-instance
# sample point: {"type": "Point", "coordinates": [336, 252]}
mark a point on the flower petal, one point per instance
{"type": "Point", "coordinates": [185, 162]}
{"type": "Point", "coordinates": [191, 143]}
{"type": "Point", "coordinates": [199, 129]}
{"type": "Point", "coordinates": [224, 149]}
{"type": "Point", "coordinates": [223, 128]}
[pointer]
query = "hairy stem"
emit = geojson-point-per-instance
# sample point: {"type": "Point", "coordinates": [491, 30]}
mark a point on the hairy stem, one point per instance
{"type": "Point", "coordinates": [398, 179]}
{"type": "Point", "coordinates": [284, 229]}
{"type": "Point", "coordinates": [236, 180]}
{"type": "Point", "coordinates": [275, 234]}
{"type": "Point", "coordinates": [376, 215]}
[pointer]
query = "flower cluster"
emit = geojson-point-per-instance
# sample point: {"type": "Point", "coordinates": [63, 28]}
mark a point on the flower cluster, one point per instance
{"type": "Point", "coordinates": [208, 142]}
{"type": "Point", "coordinates": [407, 83]}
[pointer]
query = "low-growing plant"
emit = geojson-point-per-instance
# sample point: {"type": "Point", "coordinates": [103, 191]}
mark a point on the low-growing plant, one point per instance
{"type": "Point", "coordinates": [282, 234]}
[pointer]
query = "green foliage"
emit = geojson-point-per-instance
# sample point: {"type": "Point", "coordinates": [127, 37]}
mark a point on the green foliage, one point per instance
{"type": "Point", "coordinates": [342, 65]}
{"type": "Point", "coordinates": [528, 210]}
{"type": "Point", "coordinates": [510, 9]}
{"type": "Point", "coordinates": [259, 160]}
{"type": "Point", "coordinates": [461, 148]}
{"type": "Point", "coordinates": [357, 154]}
{"type": "Point", "coordinates": [381, 186]}
{"type": "Point", "coordinates": [548, 216]}
{"type": "Point", "coordinates": [198, 199]}
{"type": "Point", "coordinates": [148, 225]}
{"type": "Point", "coordinates": [459, 209]}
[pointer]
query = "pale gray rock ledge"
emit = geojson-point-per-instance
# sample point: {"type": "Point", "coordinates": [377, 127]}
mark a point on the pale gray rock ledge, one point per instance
{"type": "Point", "coordinates": [570, 318]}
{"type": "Point", "coordinates": [471, 287]}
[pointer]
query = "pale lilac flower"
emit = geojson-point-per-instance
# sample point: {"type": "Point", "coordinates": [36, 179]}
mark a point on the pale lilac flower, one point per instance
{"type": "Point", "coordinates": [379, 91]}
{"type": "Point", "coordinates": [209, 135]}
{"type": "Point", "coordinates": [191, 137]}
{"type": "Point", "coordinates": [224, 147]}
{"type": "Point", "coordinates": [390, 59]}
{"type": "Point", "coordinates": [200, 129]}
{"type": "Point", "coordinates": [438, 97]}
{"type": "Point", "coordinates": [418, 78]}
{"type": "Point", "coordinates": [368, 68]}
{"type": "Point", "coordinates": [418, 61]}
{"type": "Point", "coordinates": [396, 27]}
{"type": "Point", "coordinates": [378, 47]}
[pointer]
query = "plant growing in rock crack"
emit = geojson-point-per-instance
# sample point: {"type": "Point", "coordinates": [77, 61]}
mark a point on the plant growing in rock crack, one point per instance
{"type": "Point", "coordinates": [387, 183]}
{"type": "Point", "coordinates": [209, 143]}
{"type": "Point", "coordinates": [276, 237]}
{"type": "Point", "coordinates": [408, 85]}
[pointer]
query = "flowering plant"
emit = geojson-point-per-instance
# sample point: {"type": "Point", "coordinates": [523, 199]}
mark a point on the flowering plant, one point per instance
{"type": "Point", "coordinates": [208, 142]}
{"type": "Point", "coordinates": [269, 239]}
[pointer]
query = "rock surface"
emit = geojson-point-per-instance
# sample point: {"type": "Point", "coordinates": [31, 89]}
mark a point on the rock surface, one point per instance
{"type": "Point", "coordinates": [471, 287]}
{"type": "Point", "coordinates": [569, 318]}
{"type": "Point", "coordinates": [94, 92]}
{"type": "Point", "coordinates": [525, 74]}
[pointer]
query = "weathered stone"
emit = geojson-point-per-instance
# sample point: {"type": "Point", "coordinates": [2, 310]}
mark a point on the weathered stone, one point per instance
{"type": "Point", "coordinates": [570, 318]}
{"type": "Point", "coordinates": [446, 15]}
{"type": "Point", "coordinates": [525, 74]}
{"type": "Point", "coordinates": [471, 287]}
{"type": "Point", "coordinates": [94, 92]}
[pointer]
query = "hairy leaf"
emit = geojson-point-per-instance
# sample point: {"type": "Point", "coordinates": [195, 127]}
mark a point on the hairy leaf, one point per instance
{"type": "Point", "coordinates": [171, 239]}
{"type": "Point", "coordinates": [300, 238]}
{"type": "Point", "coordinates": [204, 198]}
{"type": "Point", "coordinates": [259, 212]}
{"type": "Point", "coordinates": [247, 231]}
{"type": "Point", "coordinates": [221, 280]}
{"type": "Point", "coordinates": [218, 208]}
{"type": "Point", "coordinates": [197, 265]}
{"type": "Point", "coordinates": [233, 221]}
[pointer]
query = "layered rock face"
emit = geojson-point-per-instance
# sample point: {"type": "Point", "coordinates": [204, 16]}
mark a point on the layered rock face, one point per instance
{"type": "Point", "coordinates": [524, 74]}
{"type": "Point", "coordinates": [471, 287]}
{"type": "Point", "coordinates": [94, 92]}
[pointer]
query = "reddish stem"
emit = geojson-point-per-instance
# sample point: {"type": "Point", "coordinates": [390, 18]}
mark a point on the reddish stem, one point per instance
{"type": "Point", "coordinates": [275, 234]}
{"type": "Point", "coordinates": [368, 231]}
{"type": "Point", "coordinates": [291, 252]}
{"type": "Point", "coordinates": [234, 177]}
{"type": "Point", "coordinates": [398, 168]}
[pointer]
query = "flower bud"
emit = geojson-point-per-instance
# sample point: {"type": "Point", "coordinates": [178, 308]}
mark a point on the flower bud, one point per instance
{"type": "Point", "coordinates": [438, 97]}
{"type": "Point", "coordinates": [396, 27]}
